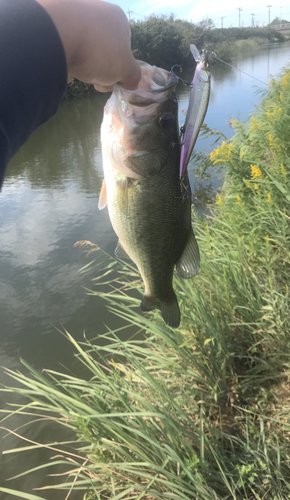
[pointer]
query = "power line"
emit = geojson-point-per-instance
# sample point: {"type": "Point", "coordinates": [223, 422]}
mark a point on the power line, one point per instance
{"type": "Point", "coordinates": [137, 13]}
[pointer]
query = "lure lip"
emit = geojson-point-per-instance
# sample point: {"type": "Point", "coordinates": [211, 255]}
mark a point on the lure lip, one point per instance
{"type": "Point", "coordinates": [197, 107]}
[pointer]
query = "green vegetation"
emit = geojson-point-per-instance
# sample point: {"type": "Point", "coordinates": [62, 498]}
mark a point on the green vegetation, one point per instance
{"type": "Point", "coordinates": [164, 41]}
{"type": "Point", "coordinates": [231, 42]}
{"type": "Point", "coordinates": [76, 89]}
{"type": "Point", "coordinates": [203, 411]}
{"type": "Point", "coordinates": [276, 21]}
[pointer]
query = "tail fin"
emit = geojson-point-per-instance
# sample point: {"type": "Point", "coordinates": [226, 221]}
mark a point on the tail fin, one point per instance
{"type": "Point", "coordinates": [169, 309]}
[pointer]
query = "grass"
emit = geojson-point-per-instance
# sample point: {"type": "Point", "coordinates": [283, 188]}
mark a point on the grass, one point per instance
{"type": "Point", "coordinates": [202, 412]}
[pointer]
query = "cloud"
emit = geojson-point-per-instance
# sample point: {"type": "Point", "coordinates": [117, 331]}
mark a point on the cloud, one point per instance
{"type": "Point", "coordinates": [165, 6]}
{"type": "Point", "coordinates": [197, 10]}
{"type": "Point", "coordinates": [35, 229]}
{"type": "Point", "coordinates": [215, 10]}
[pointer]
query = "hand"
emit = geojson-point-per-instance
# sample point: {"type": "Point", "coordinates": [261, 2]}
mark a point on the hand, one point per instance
{"type": "Point", "coordinates": [97, 41]}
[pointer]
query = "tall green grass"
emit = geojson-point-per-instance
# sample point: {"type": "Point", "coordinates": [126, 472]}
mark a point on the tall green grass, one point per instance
{"type": "Point", "coordinates": [201, 412]}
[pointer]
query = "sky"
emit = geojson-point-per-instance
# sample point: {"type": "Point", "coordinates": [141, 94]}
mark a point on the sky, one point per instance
{"type": "Point", "coordinates": [197, 10]}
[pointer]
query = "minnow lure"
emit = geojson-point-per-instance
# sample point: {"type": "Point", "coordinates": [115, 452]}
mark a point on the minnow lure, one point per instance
{"type": "Point", "coordinates": [198, 103]}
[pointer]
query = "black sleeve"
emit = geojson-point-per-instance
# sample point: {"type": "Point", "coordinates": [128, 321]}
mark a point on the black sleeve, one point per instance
{"type": "Point", "coordinates": [33, 73]}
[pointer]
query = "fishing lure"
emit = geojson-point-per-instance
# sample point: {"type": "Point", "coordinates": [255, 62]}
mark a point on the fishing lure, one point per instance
{"type": "Point", "coordinates": [198, 103]}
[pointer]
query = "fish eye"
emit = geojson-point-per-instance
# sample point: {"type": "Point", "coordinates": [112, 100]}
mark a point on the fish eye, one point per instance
{"type": "Point", "coordinates": [165, 120]}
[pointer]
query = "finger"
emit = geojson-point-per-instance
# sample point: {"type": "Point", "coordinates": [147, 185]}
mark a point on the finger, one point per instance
{"type": "Point", "coordinates": [132, 77]}
{"type": "Point", "coordinates": [103, 88]}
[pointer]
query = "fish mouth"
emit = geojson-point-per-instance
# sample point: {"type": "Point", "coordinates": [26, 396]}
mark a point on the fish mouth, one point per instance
{"type": "Point", "coordinates": [155, 85]}
{"type": "Point", "coordinates": [132, 115]}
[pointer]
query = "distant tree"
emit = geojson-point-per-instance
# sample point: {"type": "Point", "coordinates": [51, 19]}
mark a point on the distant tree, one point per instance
{"type": "Point", "coordinates": [164, 40]}
{"type": "Point", "coordinates": [205, 24]}
{"type": "Point", "coordinates": [278, 21]}
{"type": "Point", "coordinates": [159, 40]}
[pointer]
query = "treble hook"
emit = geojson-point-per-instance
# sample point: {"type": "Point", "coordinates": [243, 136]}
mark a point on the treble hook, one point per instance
{"type": "Point", "coordinates": [179, 78]}
{"type": "Point", "coordinates": [184, 189]}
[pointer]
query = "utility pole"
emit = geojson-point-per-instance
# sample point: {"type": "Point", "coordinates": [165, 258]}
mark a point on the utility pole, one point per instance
{"type": "Point", "coordinates": [222, 21]}
{"type": "Point", "coordinates": [129, 12]}
{"type": "Point", "coordinates": [253, 22]}
{"type": "Point", "coordinates": [269, 7]}
{"type": "Point", "coordinates": [239, 9]}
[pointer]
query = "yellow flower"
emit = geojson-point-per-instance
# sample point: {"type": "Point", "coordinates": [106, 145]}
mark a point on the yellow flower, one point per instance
{"type": "Point", "coordinates": [253, 123]}
{"type": "Point", "coordinates": [248, 183]}
{"type": "Point", "coordinates": [256, 172]}
{"type": "Point", "coordinates": [242, 154]}
{"type": "Point", "coordinates": [238, 198]}
{"type": "Point", "coordinates": [284, 81]}
{"type": "Point", "coordinates": [283, 171]}
{"type": "Point", "coordinates": [256, 186]}
{"type": "Point", "coordinates": [270, 199]}
{"type": "Point", "coordinates": [233, 122]}
{"type": "Point", "coordinates": [271, 141]}
{"type": "Point", "coordinates": [218, 199]}
{"type": "Point", "coordinates": [222, 153]}
{"type": "Point", "coordinates": [268, 112]}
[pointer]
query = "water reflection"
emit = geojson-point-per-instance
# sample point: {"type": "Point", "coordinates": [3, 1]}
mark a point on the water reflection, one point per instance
{"type": "Point", "coordinates": [12, 464]}
{"type": "Point", "coordinates": [49, 201]}
{"type": "Point", "coordinates": [66, 148]}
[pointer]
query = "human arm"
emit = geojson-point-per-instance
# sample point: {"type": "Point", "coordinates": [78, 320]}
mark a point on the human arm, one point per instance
{"type": "Point", "coordinates": [97, 41]}
{"type": "Point", "coordinates": [33, 73]}
{"type": "Point", "coordinates": [40, 44]}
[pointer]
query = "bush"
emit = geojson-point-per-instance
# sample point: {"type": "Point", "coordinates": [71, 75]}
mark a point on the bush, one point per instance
{"type": "Point", "coordinates": [76, 89]}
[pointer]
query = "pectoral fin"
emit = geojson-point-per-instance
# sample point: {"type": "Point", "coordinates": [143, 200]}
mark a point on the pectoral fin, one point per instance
{"type": "Point", "coordinates": [188, 264]}
{"type": "Point", "coordinates": [103, 196]}
{"type": "Point", "coordinates": [120, 252]}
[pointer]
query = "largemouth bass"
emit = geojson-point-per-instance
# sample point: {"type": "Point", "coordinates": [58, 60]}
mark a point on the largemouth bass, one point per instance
{"type": "Point", "coordinates": [150, 209]}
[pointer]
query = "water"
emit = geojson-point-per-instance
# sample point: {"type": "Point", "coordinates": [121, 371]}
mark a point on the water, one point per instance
{"type": "Point", "coordinates": [48, 202]}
